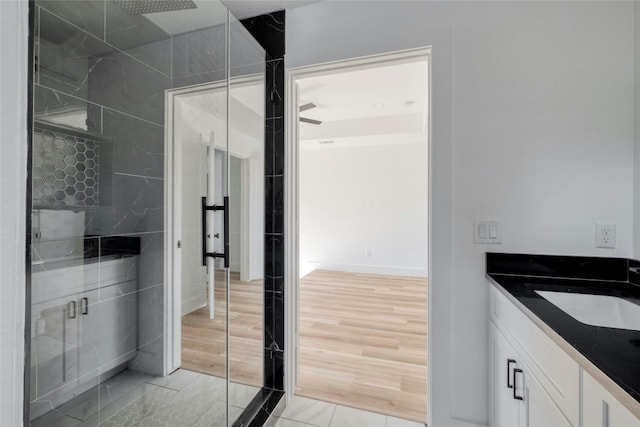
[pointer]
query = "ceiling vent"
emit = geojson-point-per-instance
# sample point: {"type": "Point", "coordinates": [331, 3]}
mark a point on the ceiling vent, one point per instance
{"type": "Point", "coordinates": [141, 7]}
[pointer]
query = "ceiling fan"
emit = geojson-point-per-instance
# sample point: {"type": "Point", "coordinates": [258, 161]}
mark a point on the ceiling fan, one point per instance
{"type": "Point", "coordinates": [306, 107]}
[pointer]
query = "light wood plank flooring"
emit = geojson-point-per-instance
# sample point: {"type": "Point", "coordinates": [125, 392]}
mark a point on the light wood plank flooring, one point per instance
{"type": "Point", "coordinates": [363, 342]}
{"type": "Point", "coordinates": [203, 340]}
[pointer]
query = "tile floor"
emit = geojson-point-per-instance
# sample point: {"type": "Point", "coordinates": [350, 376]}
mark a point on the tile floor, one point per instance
{"type": "Point", "coordinates": [184, 398]}
{"type": "Point", "coordinates": [303, 412]}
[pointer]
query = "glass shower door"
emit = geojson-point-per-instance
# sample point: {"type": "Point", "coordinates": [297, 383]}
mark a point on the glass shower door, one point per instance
{"type": "Point", "coordinates": [102, 297]}
{"type": "Point", "coordinates": [246, 94]}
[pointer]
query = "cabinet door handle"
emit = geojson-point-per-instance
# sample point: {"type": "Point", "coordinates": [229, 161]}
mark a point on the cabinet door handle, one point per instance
{"type": "Point", "coordinates": [72, 309]}
{"type": "Point", "coordinates": [515, 383]}
{"type": "Point", "coordinates": [509, 362]}
{"type": "Point", "coordinates": [84, 306]}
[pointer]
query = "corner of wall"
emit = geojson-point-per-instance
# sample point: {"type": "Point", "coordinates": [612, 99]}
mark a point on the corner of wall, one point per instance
{"type": "Point", "coordinates": [636, 145]}
{"type": "Point", "coordinates": [14, 18]}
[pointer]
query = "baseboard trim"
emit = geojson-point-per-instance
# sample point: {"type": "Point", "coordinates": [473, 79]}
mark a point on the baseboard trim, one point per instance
{"type": "Point", "coordinates": [192, 305]}
{"type": "Point", "coordinates": [458, 422]}
{"type": "Point", "coordinates": [388, 270]}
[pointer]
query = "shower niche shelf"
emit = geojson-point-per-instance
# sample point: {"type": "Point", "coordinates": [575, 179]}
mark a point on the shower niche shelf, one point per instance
{"type": "Point", "coordinates": [71, 168]}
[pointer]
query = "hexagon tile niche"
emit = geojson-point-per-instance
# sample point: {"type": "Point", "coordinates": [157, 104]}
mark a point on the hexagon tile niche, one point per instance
{"type": "Point", "coordinates": [65, 169]}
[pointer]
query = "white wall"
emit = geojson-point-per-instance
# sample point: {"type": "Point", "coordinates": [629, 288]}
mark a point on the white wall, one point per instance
{"type": "Point", "coordinates": [636, 178]}
{"type": "Point", "coordinates": [354, 199]}
{"type": "Point", "coordinates": [541, 108]}
{"type": "Point", "coordinates": [13, 167]}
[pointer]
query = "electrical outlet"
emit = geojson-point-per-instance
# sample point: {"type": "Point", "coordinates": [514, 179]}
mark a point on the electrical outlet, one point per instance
{"type": "Point", "coordinates": [605, 235]}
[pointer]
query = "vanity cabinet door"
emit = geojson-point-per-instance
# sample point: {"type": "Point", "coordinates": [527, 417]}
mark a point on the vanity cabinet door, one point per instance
{"type": "Point", "coordinates": [117, 314]}
{"type": "Point", "coordinates": [540, 409]}
{"type": "Point", "coordinates": [54, 360]}
{"type": "Point", "coordinates": [601, 409]}
{"type": "Point", "coordinates": [90, 331]}
{"type": "Point", "coordinates": [505, 409]}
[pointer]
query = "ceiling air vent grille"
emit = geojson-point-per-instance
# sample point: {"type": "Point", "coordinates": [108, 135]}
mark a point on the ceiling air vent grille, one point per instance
{"type": "Point", "coordinates": [140, 7]}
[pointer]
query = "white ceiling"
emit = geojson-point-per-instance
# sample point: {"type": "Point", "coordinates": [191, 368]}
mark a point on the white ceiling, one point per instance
{"type": "Point", "coordinates": [358, 107]}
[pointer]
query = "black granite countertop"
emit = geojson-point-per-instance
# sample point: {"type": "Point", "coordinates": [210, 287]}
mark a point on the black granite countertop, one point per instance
{"type": "Point", "coordinates": [615, 352]}
{"type": "Point", "coordinates": [101, 246]}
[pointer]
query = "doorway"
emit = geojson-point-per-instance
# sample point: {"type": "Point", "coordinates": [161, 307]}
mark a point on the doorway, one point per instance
{"type": "Point", "coordinates": [359, 208]}
{"type": "Point", "coordinates": [217, 204]}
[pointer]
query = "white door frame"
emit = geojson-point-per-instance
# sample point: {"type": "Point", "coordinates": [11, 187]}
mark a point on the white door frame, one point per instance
{"type": "Point", "coordinates": [173, 296]}
{"type": "Point", "coordinates": [173, 293]}
{"type": "Point", "coordinates": [291, 214]}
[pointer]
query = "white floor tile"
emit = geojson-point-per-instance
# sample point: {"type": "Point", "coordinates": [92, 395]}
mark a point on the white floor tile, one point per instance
{"type": "Point", "coordinates": [177, 380]}
{"type": "Point", "coordinates": [351, 417]}
{"type": "Point", "coordinates": [399, 422]}
{"type": "Point", "coordinates": [181, 399]}
{"type": "Point", "coordinates": [240, 395]}
{"type": "Point", "coordinates": [284, 422]}
{"type": "Point", "coordinates": [309, 411]}
{"type": "Point", "coordinates": [97, 399]}
{"type": "Point", "coordinates": [55, 419]}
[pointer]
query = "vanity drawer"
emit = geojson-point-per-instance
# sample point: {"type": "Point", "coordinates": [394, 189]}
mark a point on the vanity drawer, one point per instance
{"type": "Point", "coordinates": [556, 371]}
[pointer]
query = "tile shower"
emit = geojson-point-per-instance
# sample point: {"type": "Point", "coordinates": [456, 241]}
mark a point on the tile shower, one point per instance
{"type": "Point", "coordinates": [98, 280]}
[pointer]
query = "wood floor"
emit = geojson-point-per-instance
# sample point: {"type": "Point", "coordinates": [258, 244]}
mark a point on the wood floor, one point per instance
{"type": "Point", "coordinates": [363, 342]}
{"type": "Point", "coordinates": [203, 340]}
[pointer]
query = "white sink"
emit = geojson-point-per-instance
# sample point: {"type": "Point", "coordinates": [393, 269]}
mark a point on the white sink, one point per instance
{"type": "Point", "coordinates": [596, 310]}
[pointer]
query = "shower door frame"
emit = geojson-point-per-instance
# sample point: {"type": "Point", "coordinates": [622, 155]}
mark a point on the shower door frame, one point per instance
{"type": "Point", "coordinates": [173, 294]}
{"type": "Point", "coordinates": [173, 297]}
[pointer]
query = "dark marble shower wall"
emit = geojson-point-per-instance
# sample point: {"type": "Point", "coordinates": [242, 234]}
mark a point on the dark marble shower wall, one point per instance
{"type": "Point", "coordinates": [104, 71]}
{"type": "Point", "coordinates": [269, 31]}
{"type": "Point", "coordinates": [95, 73]}
{"type": "Point", "coordinates": [108, 71]}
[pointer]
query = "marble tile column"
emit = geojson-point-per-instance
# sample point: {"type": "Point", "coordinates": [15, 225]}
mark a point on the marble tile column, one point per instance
{"type": "Point", "coordinates": [269, 31]}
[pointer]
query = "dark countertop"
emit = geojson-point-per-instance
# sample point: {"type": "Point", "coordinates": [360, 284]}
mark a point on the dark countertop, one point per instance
{"type": "Point", "coordinates": [95, 249]}
{"type": "Point", "coordinates": [615, 352]}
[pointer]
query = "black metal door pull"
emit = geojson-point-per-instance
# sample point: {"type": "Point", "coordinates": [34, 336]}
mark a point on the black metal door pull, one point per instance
{"type": "Point", "coordinates": [215, 208]}
{"type": "Point", "coordinates": [515, 383]}
{"type": "Point", "coordinates": [509, 362]}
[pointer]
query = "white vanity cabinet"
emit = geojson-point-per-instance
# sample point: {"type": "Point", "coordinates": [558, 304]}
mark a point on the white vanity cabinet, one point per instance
{"type": "Point", "coordinates": [86, 330]}
{"type": "Point", "coordinates": [530, 374]}
{"type": "Point", "coordinates": [505, 406]}
{"type": "Point", "coordinates": [535, 383]}
{"type": "Point", "coordinates": [54, 360]}
{"type": "Point", "coordinates": [518, 398]}
{"type": "Point", "coordinates": [601, 409]}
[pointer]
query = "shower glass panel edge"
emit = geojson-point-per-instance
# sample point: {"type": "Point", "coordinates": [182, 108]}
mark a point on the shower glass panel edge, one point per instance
{"type": "Point", "coordinates": [246, 124]}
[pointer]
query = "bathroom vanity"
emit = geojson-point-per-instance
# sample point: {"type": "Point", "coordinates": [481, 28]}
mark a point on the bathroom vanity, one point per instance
{"type": "Point", "coordinates": [564, 341]}
{"type": "Point", "coordinates": [84, 324]}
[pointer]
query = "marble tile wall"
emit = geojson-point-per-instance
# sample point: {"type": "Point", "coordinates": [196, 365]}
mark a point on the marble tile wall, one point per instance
{"type": "Point", "coordinates": [105, 72]}
{"type": "Point", "coordinates": [269, 31]}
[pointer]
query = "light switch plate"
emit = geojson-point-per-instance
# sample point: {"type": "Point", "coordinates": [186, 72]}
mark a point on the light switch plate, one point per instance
{"type": "Point", "coordinates": [487, 232]}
